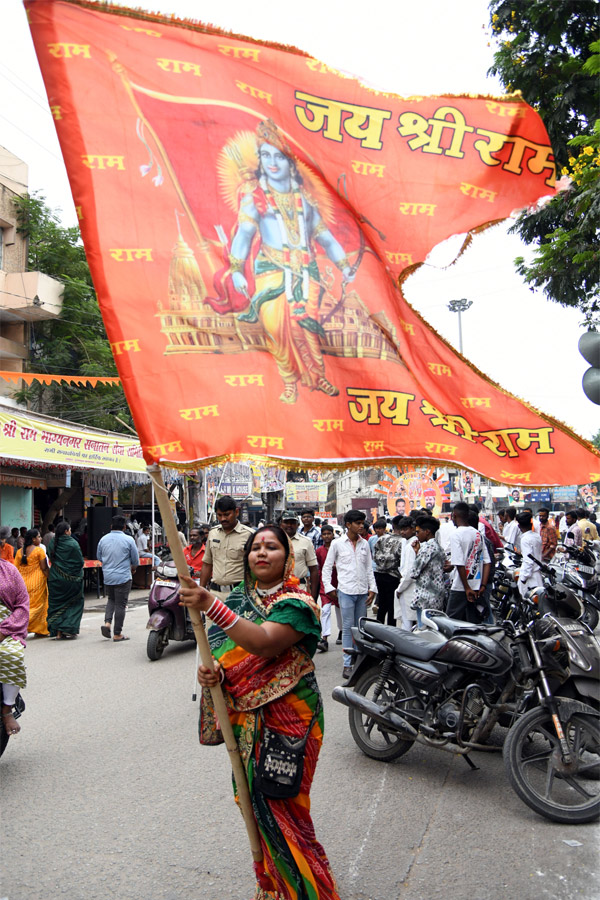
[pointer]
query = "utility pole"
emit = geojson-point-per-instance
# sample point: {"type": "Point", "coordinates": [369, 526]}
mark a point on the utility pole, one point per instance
{"type": "Point", "coordinates": [460, 306]}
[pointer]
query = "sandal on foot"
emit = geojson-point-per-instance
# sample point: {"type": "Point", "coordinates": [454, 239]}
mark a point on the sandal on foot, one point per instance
{"type": "Point", "coordinates": [120, 638]}
{"type": "Point", "coordinates": [290, 392]}
{"type": "Point", "coordinates": [105, 629]}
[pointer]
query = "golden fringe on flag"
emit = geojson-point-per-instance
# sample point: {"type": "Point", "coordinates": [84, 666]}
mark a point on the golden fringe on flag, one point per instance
{"type": "Point", "coordinates": [79, 380]}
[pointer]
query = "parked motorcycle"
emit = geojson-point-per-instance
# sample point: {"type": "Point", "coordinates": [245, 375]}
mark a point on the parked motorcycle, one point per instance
{"type": "Point", "coordinates": [450, 692]}
{"type": "Point", "coordinates": [504, 587]}
{"type": "Point", "coordinates": [574, 569]}
{"type": "Point", "coordinates": [563, 607]}
{"type": "Point", "coordinates": [168, 620]}
{"type": "Point", "coordinates": [580, 570]}
{"type": "Point", "coordinates": [18, 710]}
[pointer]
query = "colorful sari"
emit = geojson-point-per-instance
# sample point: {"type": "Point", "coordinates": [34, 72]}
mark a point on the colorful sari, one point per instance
{"type": "Point", "coordinates": [65, 586]}
{"type": "Point", "coordinates": [14, 617]}
{"type": "Point", "coordinates": [36, 582]}
{"type": "Point", "coordinates": [286, 690]}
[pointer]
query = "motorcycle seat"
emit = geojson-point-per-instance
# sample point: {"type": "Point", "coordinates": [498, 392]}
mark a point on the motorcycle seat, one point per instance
{"type": "Point", "coordinates": [407, 642]}
{"type": "Point", "coordinates": [450, 627]}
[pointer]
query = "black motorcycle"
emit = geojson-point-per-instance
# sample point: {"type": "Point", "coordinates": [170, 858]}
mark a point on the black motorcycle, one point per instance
{"type": "Point", "coordinates": [450, 692]}
{"type": "Point", "coordinates": [579, 571]}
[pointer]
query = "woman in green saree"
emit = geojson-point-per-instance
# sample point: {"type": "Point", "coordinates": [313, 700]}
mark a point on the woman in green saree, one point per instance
{"type": "Point", "coordinates": [263, 640]}
{"type": "Point", "coordinates": [65, 584]}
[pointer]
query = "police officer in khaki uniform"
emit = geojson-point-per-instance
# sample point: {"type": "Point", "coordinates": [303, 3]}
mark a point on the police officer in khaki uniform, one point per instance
{"type": "Point", "coordinates": [223, 564]}
{"type": "Point", "coordinates": [306, 566]}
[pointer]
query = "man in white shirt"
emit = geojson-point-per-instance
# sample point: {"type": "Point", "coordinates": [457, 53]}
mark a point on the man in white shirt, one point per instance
{"type": "Point", "coordinates": [356, 588]}
{"type": "Point", "coordinates": [531, 543]}
{"type": "Point", "coordinates": [142, 540]}
{"type": "Point", "coordinates": [572, 536]}
{"type": "Point", "coordinates": [510, 531]}
{"type": "Point", "coordinates": [470, 557]}
{"type": "Point", "coordinates": [405, 592]}
{"type": "Point", "coordinates": [445, 532]}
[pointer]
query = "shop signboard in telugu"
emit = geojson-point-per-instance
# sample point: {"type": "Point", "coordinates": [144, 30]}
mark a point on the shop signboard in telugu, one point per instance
{"type": "Point", "coordinates": [54, 443]}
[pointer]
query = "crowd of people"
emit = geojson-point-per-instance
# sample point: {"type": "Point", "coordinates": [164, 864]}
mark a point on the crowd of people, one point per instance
{"type": "Point", "coordinates": [270, 595]}
{"type": "Point", "coordinates": [417, 561]}
{"type": "Point", "coordinates": [262, 591]}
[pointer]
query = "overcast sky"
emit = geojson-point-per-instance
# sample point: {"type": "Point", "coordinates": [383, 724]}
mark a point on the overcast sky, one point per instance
{"type": "Point", "coordinates": [517, 337]}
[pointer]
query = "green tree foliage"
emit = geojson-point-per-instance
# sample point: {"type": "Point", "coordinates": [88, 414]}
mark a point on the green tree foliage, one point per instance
{"type": "Point", "coordinates": [549, 50]}
{"type": "Point", "coordinates": [75, 342]}
{"type": "Point", "coordinates": [596, 440]}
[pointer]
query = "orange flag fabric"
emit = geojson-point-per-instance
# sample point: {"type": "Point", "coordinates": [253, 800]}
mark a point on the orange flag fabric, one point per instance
{"type": "Point", "coordinates": [249, 214]}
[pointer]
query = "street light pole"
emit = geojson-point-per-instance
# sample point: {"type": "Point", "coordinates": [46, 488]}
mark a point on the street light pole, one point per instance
{"type": "Point", "coordinates": [460, 306]}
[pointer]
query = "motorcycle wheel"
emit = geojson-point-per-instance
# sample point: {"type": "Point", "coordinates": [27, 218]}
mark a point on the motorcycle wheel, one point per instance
{"type": "Point", "coordinates": [532, 758]}
{"type": "Point", "coordinates": [370, 736]}
{"type": "Point", "coordinates": [590, 616]}
{"type": "Point", "coordinates": [156, 645]}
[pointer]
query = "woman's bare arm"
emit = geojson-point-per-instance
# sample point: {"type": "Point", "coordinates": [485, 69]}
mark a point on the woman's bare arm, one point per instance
{"type": "Point", "coordinates": [266, 640]}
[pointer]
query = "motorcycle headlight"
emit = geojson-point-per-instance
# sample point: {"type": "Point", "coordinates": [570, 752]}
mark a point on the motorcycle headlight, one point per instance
{"type": "Point", "coordinates": [553, 650]}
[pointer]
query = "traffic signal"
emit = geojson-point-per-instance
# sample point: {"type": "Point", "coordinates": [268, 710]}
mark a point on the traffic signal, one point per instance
{"type": "Point", "coordinates": [589, 347]}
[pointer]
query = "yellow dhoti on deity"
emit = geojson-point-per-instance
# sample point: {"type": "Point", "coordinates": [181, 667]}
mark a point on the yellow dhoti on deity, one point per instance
{"type": "Point", "coordinates": [286, 303]}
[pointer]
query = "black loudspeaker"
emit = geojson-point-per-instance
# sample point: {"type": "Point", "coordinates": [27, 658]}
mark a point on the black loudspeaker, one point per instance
{"type": "Point", "coordinates": [99, 519]}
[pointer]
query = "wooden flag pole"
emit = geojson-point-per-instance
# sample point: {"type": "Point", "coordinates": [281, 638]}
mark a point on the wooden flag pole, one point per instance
{"type": "Point", "coordinates": [237, 765]}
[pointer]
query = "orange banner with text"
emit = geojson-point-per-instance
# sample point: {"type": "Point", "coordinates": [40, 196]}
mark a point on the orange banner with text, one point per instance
{"type": "Point", "coordinates": [248, 214]}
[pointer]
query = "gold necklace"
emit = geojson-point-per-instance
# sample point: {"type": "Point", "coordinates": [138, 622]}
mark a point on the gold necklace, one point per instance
{"type": "Point", "coordinates": [286, 204]}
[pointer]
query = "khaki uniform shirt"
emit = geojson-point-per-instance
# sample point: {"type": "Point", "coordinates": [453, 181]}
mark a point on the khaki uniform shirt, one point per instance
{"type": "Point", "coordinates": [588, 530]}
{"type": "Point", "coordinates": [225, 553]}
{"type": "Point", "coordinates": [304, 555]}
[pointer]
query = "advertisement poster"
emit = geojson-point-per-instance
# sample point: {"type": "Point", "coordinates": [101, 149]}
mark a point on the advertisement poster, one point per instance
{"type": "Point", "coordinates": [414, 489]}
{"type": "Point", "coordinates": [311, 493]}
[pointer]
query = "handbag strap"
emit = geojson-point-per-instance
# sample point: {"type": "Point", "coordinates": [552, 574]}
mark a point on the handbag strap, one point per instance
{"type": "Point", "coordinates": [299, 743]}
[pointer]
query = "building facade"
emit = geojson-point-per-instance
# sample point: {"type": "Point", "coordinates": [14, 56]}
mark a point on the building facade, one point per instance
{"type": "Point", "coordinates": [25, 297]}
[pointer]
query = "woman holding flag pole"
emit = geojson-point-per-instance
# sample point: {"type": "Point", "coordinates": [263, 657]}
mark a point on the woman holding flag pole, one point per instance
{"type": "Point", "coordinates": [262, 642]}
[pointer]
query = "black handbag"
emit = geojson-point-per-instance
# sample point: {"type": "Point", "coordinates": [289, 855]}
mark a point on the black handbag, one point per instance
{"type": "Point", "coordinates": [278, 773]}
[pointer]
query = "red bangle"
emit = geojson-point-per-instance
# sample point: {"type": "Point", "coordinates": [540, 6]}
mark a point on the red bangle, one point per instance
{"type": "Point", "coordinates": [221, 615]}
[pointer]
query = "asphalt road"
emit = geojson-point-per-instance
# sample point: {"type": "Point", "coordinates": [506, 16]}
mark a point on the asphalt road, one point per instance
{"type": "Point", "coordinates": [107, 794]}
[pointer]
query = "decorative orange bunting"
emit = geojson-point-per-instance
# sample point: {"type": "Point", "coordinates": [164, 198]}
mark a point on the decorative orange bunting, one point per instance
{"type": "Point", "coordinates": [43, 378]}
{"type": "Point", "coordinates": [249, 213]}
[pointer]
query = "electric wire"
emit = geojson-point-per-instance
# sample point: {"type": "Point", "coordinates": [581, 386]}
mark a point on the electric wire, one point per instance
{"type": "Point", "coordinates": [12, 124]}
{"type": "Point", "coordinates": [20, 87]}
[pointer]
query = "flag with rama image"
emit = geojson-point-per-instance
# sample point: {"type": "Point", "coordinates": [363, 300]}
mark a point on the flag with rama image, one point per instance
{"type": "Point", "coordinates": [249, 215]}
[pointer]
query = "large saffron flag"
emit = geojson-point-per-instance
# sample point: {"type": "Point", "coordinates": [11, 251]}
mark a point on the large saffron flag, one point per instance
{"type": "Point", "coordinates": [249, 215]}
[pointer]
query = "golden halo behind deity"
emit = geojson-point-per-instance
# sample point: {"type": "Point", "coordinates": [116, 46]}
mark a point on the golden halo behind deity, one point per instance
{"type": "Point", "coordinates": [237, 168]}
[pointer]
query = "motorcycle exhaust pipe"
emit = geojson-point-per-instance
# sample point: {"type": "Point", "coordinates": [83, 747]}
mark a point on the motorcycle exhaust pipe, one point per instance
{"type": "Point", "coordinates": [368, 708]}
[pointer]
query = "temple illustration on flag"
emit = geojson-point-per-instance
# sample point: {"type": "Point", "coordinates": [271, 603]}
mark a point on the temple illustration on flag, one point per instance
{"type": "Point", "coordinates": [191, 324]}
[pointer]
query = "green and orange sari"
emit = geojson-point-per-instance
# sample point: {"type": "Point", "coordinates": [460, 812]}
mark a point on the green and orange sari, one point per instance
{"type": "Point", "coordinates": [286, 690]}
